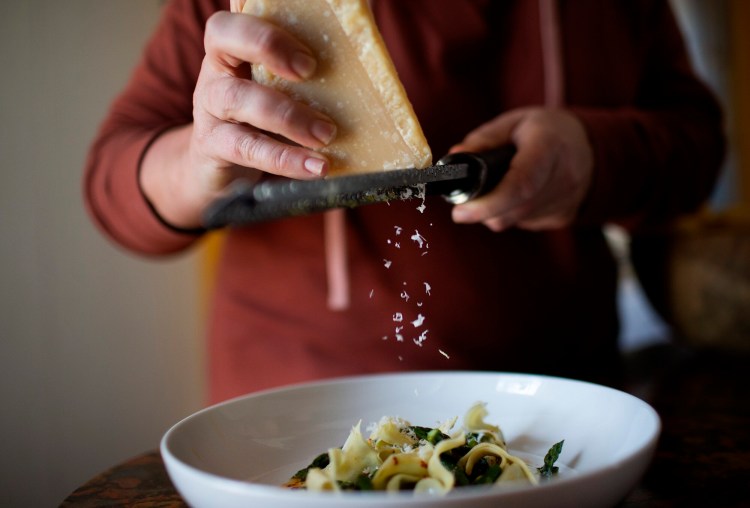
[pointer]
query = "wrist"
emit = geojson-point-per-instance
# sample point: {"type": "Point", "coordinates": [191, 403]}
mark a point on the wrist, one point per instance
{"type": "Point", "coordinates": [165, 186]}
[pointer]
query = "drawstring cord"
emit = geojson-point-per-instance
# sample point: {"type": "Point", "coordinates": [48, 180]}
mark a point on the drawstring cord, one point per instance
{"type": "Point", "coordinates": [552, 59]}
{"type": "Point", "coordinates": [336, 257]}
{"type": "Point", "coordinates": [334, 222]}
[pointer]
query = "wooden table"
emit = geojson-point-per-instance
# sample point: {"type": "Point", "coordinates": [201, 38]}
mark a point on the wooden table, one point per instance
{"type": "Point", "coordinates": [703, 456]}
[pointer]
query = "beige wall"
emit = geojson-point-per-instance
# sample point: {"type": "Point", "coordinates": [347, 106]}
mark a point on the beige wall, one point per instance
{"type": "Point", "coordinates": [99, 351]}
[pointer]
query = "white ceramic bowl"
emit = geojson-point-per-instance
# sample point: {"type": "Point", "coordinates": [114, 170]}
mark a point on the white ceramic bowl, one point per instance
{"type": "Point", "coordinates": [236, 454]}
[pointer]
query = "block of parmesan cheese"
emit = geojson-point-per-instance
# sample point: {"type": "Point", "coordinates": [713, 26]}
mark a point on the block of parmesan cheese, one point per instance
{"type": "Point", "coordinates": [355, 83]}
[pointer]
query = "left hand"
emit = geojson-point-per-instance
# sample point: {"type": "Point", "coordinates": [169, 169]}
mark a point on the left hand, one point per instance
{"type": "Point", "coordinates": [548, 178]}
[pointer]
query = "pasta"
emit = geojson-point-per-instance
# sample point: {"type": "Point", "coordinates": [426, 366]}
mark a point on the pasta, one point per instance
{"type": "Point", "coordinates": [400, 456]}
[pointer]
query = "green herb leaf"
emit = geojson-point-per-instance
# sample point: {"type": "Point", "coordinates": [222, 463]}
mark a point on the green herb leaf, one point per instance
{"type": "Point", "coordinates": [472, 439]}
{"type": "Point", "coordinates": [361, 482]}
{"type": "Point", "coordinates": [548, 469]}
{"type": "Point", "coordinates": [490, 475]}
{"type": "Point", "coordinates": [420, 432]}
{"type": "Point", "coordinates": [428, 434]}
{"type": "Point", "coordinates": [320, 461]}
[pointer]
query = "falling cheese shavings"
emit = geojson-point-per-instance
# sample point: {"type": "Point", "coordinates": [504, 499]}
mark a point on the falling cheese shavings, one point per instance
{"type": "Point", "coordinates": [372, 292]}
{"type": "Point", "coordinates": [422, 337]}
{"type": "Point", "coordinates": [419, 321]}
{"type": "Point", "coordinates": [421, 240]}
{"type": "Point", "coordinates": [387, 263]}
{"type": "Point", "coordinates": [421, 193]}
{"type": "Point", "coordinates": [406, 194]}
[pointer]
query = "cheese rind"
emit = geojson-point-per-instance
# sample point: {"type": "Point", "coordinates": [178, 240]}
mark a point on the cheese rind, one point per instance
{"type": "Point", "coordinates": [355, 83]}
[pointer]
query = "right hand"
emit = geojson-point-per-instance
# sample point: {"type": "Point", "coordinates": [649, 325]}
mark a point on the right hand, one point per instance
{"type": "Point", "coordinates": [240, 128]}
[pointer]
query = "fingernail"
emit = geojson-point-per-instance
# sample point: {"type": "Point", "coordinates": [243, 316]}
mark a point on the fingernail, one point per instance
{"type": "Point", "coordinates": [323, 131]}
{"type": "Point", "coordinates": [315, 166]}
{"type": "Point", "coordinates": [303, 64]}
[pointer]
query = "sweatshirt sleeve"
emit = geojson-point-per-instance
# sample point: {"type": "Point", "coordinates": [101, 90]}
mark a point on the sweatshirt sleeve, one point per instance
{"type": "Point", "coordinates": [157, 97]}
{"type": "Point", "coordinates": [660, 156]}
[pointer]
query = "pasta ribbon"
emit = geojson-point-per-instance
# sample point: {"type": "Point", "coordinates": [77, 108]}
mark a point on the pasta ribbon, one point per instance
{"type": "Point", "coordinates": [400, 464]}
{"type": "Point", "coordinates": [437, 470]}
{"type": "Point", "coordinates": [397, 481]}
{"type": "Point", "coordinates": [319, 481]}
{"type": "Point", "coordinates": [354, 457]}
{"type": "Point", "coordinates": [401, 456]}
{"type": "Point", "coordinates": [512, 466]}
{"type": "Point", "coordinates": [389, 431]}
{"type": "Point", "coordinates": [474, 422]}
{"type": "Point", "coordinates": [517, 470]}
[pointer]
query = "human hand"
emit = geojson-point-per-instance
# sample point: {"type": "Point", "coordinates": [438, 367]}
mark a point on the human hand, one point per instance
{"type": "Point", "coordinates": [548, 177]}
{"type": "Point", "coordinates": [240, 128]}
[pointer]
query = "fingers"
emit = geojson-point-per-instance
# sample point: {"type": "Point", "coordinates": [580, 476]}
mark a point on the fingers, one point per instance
{"type": "Point", "coordinates": [241, 145]}
{"type": "Point", "coordinates": [239, 122]}
{"type": "Point", "coordinates": [517, 194]}
{"type": "Point", "coordinates": [548, 177]}
{"type": "Point", "coordinates": [243, 101]}
{"type": "Point", "coordinates": [232, 39]}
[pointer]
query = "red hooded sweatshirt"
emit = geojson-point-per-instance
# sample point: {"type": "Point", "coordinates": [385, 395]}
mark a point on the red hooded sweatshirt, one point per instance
{"type": "Point", "coordinates": [467, 298]}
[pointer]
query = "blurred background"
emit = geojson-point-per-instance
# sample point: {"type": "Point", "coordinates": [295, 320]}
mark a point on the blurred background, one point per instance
{"type": "Point", "coordinates": [101, 351]}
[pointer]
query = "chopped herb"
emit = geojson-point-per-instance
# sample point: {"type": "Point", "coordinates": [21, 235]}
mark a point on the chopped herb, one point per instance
{"type": "Point", "coordinates": [433, 436]}
{"type": "Point", "coordinates": [460, 475]}
{"type": "Point", "coordinates": [361, 482]}
{"type": "Point", "coordinates": [548, 469]}
{"type": "Point", "coordinates": [320, 461]}
{"type": "Point", "coordinates": [472, 439]}
{"type": "Point", "coordinates": [489, 476]}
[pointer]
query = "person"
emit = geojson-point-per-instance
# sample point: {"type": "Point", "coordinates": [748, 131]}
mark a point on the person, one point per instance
{"type": "Point", "coordinates": [610, 125]}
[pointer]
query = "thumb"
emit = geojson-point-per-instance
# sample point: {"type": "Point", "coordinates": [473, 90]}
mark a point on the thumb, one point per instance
{"type": "Point", "coordinates": [498, 131]}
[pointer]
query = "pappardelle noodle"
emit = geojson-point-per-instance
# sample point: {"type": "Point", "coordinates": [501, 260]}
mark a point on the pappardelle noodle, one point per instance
{"type": "Point", "coordinates": [401, 456]}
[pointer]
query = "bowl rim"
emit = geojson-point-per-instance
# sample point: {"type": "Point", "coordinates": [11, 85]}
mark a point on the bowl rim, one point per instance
{"type": "Point", "coordinates": [173, 463]}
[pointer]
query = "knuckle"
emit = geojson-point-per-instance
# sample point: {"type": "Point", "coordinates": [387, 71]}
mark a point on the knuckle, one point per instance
{"type": "Point", "coordinates": [266, 39]}
{"type": "Point", "coordinates": [231, 98]}
{"type": "Point", "coordinates": [256, 150]}
{"type": "Point", "coordinates": [286, 113]}
{"type": "Point", "coordinates": [245, 148]}
{"type": "Point", "coordinates": [214, 26]}
{"type": "Point", "coordinates": [282, 157]}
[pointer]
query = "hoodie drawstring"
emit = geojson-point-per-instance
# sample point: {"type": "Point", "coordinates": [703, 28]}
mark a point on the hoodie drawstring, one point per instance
{"type": "Point", "coordinates": [552, 60]}
{"type": "Point", "coordinates": [337, 266]}
{"type": "Point", "coordinates": [334, 222]}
